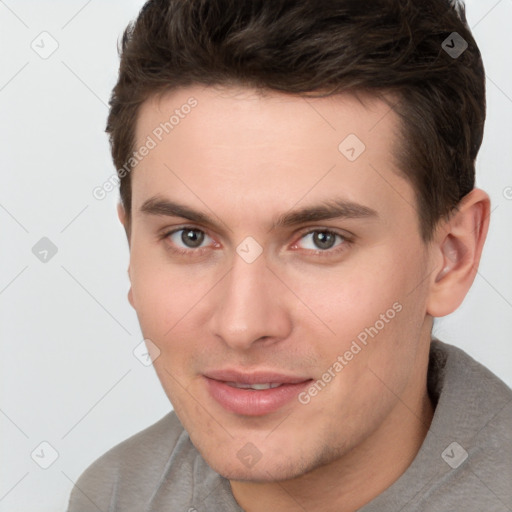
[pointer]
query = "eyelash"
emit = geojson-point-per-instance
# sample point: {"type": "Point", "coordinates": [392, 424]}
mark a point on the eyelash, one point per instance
{"type": "Point", "coordinates": [346, 241]}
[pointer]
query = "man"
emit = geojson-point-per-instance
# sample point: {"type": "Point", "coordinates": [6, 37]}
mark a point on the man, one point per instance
{"type": "Point", "coordinates": [297, 189]}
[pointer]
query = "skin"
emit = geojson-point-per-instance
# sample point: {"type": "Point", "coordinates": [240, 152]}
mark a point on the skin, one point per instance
{"type": "Point", "coordinates": [245, 159]}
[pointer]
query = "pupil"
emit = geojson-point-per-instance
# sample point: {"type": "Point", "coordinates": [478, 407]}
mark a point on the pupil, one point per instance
{"type": "Point", "coordinates": [192, 237]}
{"type": "Point", "coordinates": [323, 239]}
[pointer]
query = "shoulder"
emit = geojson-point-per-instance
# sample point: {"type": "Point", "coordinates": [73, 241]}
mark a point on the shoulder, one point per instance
{"type": "Point", "coordinates": [129, 470]}
{"type": "Point", "coordinates": [464, 462]}
{"type": "Point", "coordinates": [451, 365]}
{"type": "Point", "coordinates": [474, 426]}
{"type": "Point", "coordinates": [474, 402]}
{"type": "Point", "coordinates": [460, 377]}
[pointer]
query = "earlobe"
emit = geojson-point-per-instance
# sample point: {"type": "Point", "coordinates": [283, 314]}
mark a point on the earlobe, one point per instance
{"type": "Point", "coordinates": [121, 214]}
{"type": "Point", "coordinates": [124, 219]}
{"type": "Point", "coordinates": [130, 297]}
{"type": "Point", "coordinates": [457, 251]}
{"type": "Point", "coordinates": [130, 291]}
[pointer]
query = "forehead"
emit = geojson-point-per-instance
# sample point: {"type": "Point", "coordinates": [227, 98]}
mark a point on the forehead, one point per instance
{"type": "Point", "coordinates": [271, 151]}
{"type": "Point", "coordinates": [266, 117]}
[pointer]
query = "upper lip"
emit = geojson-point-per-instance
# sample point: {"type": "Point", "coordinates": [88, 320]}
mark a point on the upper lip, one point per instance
{"type": "Point", "coordinates": [259, 377]}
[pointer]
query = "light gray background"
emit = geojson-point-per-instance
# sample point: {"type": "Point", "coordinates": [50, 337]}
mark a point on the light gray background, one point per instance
{"type": "Point", "coordinates": [68, 374]}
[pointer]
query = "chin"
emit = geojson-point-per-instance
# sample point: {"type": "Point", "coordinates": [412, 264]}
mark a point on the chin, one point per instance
{"type": "Point", "coordinates": [270, 468]}
{"type": "Point", "coordinates": [257, 473]}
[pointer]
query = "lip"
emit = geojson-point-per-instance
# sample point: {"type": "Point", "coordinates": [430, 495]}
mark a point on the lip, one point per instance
{"type": "Point", "coordinates": [231, 375]}
{"type": "Point", "coordinates": [250, 402]}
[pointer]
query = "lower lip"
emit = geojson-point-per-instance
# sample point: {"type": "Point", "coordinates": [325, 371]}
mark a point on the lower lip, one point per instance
{"type": "Point", "coordinates": [253, 402]}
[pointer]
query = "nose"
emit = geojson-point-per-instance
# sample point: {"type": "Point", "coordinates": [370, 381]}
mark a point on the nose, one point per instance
{"type": "Point", "coordinates": [251, 306]}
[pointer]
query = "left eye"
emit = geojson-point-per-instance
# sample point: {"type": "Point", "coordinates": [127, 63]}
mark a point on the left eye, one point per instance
{"type": "Point", "coordinates": [322, 239]}
{"type": "Point", "coordinates": [191, 238]}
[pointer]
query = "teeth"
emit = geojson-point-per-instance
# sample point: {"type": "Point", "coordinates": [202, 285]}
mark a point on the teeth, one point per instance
{"type": "Point", "coordinates": [253, 386]}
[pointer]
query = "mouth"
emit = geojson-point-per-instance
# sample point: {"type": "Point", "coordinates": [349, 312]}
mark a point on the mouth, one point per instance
{"type": "Point", "coordinates": [253, 394]}
{"type": "Point", "coordinates": [254, 387]}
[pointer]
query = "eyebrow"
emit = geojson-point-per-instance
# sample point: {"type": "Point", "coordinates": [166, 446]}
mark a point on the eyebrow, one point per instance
{"type": "Point", "coordinates": [329, 209]}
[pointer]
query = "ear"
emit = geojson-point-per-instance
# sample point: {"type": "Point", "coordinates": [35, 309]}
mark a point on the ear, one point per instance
{"type": "Point", "coordinates": [121, 213]}
{"type": "Point", "coordinates": [124, 218]}
{"type": "Point", "coordinates": [456, 251]}
{"type": "Point", "coordinates": [130, 295]}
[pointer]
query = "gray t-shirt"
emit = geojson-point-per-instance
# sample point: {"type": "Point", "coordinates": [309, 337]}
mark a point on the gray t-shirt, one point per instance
{"type": "Point", "coordinates": [464, 463]}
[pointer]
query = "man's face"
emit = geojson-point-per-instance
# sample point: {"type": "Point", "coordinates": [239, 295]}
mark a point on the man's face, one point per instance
{"type": "Point", "coordinates": [335, 306]}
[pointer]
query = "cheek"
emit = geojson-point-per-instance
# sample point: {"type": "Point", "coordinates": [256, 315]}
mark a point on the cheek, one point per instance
{"type": "Point", "coordinates": [351, 297]}
{"type": "Point", "coordinates": [374, 311]}
{"type": "Point", "coordinates": [173, 303]}
{"type": "Point", "coordinates": [161, 292]}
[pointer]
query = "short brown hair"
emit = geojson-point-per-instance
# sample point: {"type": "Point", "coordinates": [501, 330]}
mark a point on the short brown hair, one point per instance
{"type": "Point", "coordinates": [319, 48]}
